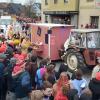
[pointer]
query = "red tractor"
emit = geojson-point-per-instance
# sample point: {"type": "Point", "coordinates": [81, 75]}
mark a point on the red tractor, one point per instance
{"type": "Point", "coordinates": [82, 48]}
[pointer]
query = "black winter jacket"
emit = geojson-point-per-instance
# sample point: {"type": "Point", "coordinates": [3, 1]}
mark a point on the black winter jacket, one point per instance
{"type": "Point", "coordinates": [94, 86]}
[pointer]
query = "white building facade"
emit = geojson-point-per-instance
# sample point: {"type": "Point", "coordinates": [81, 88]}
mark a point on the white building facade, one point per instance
{"type": "Point", "coordinates": [89, 13]}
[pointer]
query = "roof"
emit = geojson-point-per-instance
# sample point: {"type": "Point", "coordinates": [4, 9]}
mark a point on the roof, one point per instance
{"type": "Point", "coordinates": [51, 25]}
{"type": "Point", "coordinates": [85, 30]}
{"type": "Point", "coordinates": [3, 5]}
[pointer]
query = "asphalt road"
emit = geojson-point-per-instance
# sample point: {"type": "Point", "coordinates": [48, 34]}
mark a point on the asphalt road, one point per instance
{"type": "Point", "coordinates": [86, 71]}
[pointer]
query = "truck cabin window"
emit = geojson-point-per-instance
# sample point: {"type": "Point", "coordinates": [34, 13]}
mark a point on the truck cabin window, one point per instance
{"type": "Point", "coordinates": [93, 40]}
{"type": "Point", "coordinates": [77, 39]}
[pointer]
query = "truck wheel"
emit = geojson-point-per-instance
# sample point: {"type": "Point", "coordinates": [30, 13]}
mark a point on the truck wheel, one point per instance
{"type": "Point", "coordinates": [74, 60]}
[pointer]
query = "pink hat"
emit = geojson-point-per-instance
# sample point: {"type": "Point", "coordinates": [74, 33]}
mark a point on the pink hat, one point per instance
{"type": "Point", "coordinates": [17, 69]}
{"type": "Point", "coordinates": [98, 76]}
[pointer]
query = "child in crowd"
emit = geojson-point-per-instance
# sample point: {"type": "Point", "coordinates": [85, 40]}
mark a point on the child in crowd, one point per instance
{"type": "Point", "coordinates": [44, 93]}
{"type": "Point", "coordinates": [40, 73]}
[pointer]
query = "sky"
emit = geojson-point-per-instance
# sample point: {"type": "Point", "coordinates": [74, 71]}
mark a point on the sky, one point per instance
{"type": "Point", "coordinates": [18, 1]}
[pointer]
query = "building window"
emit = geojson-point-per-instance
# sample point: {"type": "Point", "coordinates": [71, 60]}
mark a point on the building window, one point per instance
{"type": "Point", "coordinates": [66, 1]}
{"type": "Point", "coordinates": [90, 0]}
{"type": "Point", "coordinates": [94, 21]}
{"type": "Point", "coordinates": [55, 1]}
{"type": "Point", "coordinates": [46, 19]}
{"type": "Point", "coordinates": [67, 20]}
{"type": "Point", "coordinates": [46, 2]}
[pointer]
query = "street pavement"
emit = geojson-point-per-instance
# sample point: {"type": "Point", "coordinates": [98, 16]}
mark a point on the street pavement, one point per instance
{"type": "Point", "coordinates": [86, 71]}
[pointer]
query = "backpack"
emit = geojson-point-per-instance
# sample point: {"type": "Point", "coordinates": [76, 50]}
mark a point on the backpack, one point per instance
{"type": "Point", "coordinates": [39, 77]}
{"type": "Point", "coordinates": [22, 83]}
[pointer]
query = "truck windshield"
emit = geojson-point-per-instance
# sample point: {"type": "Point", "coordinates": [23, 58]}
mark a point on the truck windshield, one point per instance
{"type": "Point", "coordinates": [93, 40]}
{"type": "Point", "coordinates": [76, 39]}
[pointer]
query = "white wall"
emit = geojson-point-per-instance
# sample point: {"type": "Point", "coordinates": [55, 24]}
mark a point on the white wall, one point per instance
{"type": "Point", "coordinates": [74, 20]}
{"type": "Point", "coordinates": [84, 16]}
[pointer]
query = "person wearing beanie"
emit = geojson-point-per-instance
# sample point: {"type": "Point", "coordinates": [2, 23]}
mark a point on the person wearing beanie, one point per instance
{"type": "Point", "coordinates": [94, 86]}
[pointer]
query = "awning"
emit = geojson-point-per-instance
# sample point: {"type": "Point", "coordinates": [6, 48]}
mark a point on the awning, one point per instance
{"type": "Point", "coordinates": [60, 12]}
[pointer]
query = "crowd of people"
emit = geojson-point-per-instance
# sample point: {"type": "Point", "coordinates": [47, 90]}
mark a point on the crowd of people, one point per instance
{"type": "Point", "coordinates": [23, 77]}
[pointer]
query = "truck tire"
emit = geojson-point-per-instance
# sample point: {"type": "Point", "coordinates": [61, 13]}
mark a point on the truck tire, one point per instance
{"type": "Point", "coordinates": [74, 59]}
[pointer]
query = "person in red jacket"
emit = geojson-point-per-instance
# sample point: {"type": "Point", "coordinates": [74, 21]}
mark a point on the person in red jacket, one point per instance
{"type": "Point", "coordinates": [3, 47]}
{"type": "Point", "coordinates": [58, 88]}
{"type": "Point", "coordinates": [61, 95]}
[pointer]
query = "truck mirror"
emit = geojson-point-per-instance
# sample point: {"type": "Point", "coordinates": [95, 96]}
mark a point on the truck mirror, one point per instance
{"type": "Point", "coordinates": [49, 31]}
{"type": "Point", "coordinates": [2, 31]}
{"type": "Point", "coordinates": [46, 38]}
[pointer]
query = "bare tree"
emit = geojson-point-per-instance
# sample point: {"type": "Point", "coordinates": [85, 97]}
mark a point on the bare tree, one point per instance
{"type": "Point", "coordinates": [30, 2]}
{"type": "Point", "coordinates": [29, 10]}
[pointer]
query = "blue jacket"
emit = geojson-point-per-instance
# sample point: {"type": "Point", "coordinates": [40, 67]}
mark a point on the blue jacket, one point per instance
{"type": "Point", "coordinates": [78, 85]}
{"type": "Point", "coordinates": [10, 80]}
{"type": "Point", "coordinates": [23, 85]}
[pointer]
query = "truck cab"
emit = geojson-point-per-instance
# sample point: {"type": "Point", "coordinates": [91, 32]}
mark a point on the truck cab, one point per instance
{"type": "Point", "coordinates": [81, 48]}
